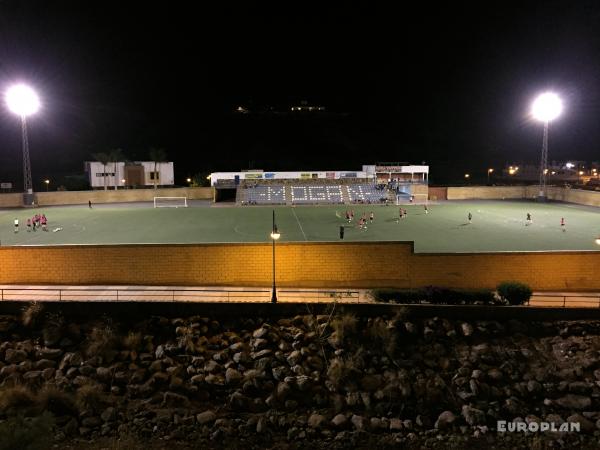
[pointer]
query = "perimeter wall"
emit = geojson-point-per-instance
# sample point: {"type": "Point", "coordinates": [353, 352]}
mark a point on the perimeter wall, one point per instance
{"type": "Point", "coordinates": [108, 196]}
{"type": "Point", "coordinates": [306, 264]}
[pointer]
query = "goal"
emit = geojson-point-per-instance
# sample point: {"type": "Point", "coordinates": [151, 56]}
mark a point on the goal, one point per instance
{"type": "Point", "coordinates": [170, 202]}
{"type": "Point", "coordinates": [412, 199]}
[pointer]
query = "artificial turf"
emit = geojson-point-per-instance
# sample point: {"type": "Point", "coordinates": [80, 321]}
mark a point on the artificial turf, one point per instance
{"type": "Point", "coordinates": [496, 225]}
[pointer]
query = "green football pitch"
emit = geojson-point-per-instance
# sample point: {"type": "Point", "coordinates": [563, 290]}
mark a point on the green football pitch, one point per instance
{"type": "Point", "coordinates": [495, 226]}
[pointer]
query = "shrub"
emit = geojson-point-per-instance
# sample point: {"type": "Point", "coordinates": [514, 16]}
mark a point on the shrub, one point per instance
{"type": "Point", "coordinates": [514, 292]}
{"type": "Point", "coordinates": [343, 370]}
{"type": "Point", "coordinates": [398, 295]}
{"type": "Point", "coordinates": [20, 433]}
{"type": "Point", "coordinates": [383, 335]}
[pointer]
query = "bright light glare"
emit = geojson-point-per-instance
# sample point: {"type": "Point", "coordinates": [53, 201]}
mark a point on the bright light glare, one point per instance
{"type": "Point", "coordinates": [22, 100]}
{"type": "Point", "coordinates": [275, 235]}
{"type": "Point", "coordinates": [546, 107]}
{"type": "Point", "coordinates": [569, 165]}
{"type": "Point", "coordinates": [597, 240]}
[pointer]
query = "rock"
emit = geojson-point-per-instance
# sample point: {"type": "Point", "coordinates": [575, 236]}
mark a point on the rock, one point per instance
{"type": "Point", "coordinates": [359, 422]}
{"type": "Point", "coordinates": [261, 425]}
{"type": "Point", "coordinates": [91, 422]}
{"type": "Point", "coordinates": [294, 358]}
{"type": "Point", "coordinates": [534, 387]}
{"type": "Point", "coordinates": [586, 425]}
{"type": "Point", "coordinates": [173, 399]}
{"type": "Point", "coordinates": [339, 421]}
{"type": "Point", "coordinates": [473, 416]}
{"type": "Point", "coordinates": [279, 373]}
{"type": "Point", "coordinates": [48, 353]}
{"type": "Point", "coordinates": [371, 383]}
{"type": "Point", "coordinates": [213, 367]}
{"type": "Point", "coordinates": [283, 390]}
{"type": "Point", "coordinates": [466, 329]}
{"type": "Point", "coordinates": [206, 417]}
{"type": "Point", "coordinates": [33, 376]}
{"type": "Point", "coordinates": [13, 356]}
{"type": "Point", "coordinates": [109, 414]}
{"type": "Point", "coordinates": [303, 383]}
{"type": "Point", "coordinates": [445, 420]}
{"type": "Point", "coordinates": [423, 421]}
{"type": "Point", "coordinates": [396, 425]}
{"type": "Point", "coordinates": [260, 333]}
{"type": "Point", "coordinates": [572, 401]}
{"type": "Point", "coordinates": [44, 364]}
{"type": "Point", "coordinates": [495, 374]}
{"type": "Point", "coordinates": [232, 376]}
{"type": "Point", "coordinates": [316, 421]}
{"type": "Point", "coordinates": [580, 387]}
{"type": "Point", "coordinates": [160, 352]}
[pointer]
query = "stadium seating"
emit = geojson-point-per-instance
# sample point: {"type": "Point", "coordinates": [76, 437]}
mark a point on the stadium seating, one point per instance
{"type": "Point", "coordinates": [311, 194]}
{"type": "Point", "coordinates": [366, 193]}
{"type": "Point", "coordinates": [316, 194]}
{"type": "Point", "coordinates": [263, 195]}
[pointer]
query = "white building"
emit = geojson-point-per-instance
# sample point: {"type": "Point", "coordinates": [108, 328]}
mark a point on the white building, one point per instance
{"type": "Point", "coordinates": [379, 173]}
{"type": "Point", "coordinates": [129, 174]}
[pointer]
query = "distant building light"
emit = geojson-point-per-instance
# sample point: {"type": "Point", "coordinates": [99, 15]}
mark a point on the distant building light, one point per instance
{"type": "Point", "coordinates": [569, 165]}
{"type": "Point", "coordinates": [581, 172]}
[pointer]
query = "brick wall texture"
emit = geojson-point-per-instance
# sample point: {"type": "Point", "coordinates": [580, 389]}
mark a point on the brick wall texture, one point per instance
{"type": "Point", "coordinates": [366, 265]}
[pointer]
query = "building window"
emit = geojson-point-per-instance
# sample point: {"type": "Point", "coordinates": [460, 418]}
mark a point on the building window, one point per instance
{"type": "Point", "coordinates": [155, 175]}
{"type": "Point", "coordinates": [105, 174]}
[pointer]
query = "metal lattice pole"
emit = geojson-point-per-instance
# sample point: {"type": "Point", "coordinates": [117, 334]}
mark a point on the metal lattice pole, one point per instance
{"type": "Point", "coordinates": [544, 164]}
{"type": "Point", "coordinates": [27, 183]}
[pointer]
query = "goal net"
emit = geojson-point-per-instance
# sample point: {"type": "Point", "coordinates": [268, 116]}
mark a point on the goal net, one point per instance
{"type": "Point", "coordinates": [412, 199]}
{"type": "Point", "coordinates": [170, 202]}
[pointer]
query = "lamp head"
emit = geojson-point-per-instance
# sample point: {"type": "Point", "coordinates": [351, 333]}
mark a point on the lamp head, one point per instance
{"type": "Point", "coordinates": [546, 107]}
{"type": "Point", "coordinates": [22, 100]}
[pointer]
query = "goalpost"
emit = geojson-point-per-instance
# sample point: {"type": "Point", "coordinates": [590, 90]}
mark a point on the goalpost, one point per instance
{"type": "Point", "coordinates": [170, 202]}
{"type": "Point", "coordinates": [412, 199]}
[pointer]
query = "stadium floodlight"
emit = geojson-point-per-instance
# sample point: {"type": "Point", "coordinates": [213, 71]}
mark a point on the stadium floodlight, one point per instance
{"type": "Point", "coordinates": [275, 234]}
{"type": "Point", "coordinates": [546, 107]}
{"type": "Point", "coordinates": [23, 101]}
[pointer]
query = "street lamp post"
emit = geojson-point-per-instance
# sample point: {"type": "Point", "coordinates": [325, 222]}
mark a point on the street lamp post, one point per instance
{"type": "Point", "coordinates": [545, 108]}
{"type": "Point", "coordinates": [23, 101]}
{"type": "Point", "coordinates": [274, 236]}
{"type": "Point", "coordinates": [47, 182]}
{"type": "Point", "coordinates": [489, 171]}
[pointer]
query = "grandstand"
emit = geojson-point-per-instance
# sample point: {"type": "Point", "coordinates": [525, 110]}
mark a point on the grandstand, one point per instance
{"type": "Point", "coordinates": [374, 184]}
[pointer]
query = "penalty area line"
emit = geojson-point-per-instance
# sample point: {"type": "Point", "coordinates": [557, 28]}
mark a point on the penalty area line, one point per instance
{"type": "Point", "coordinates": [299, 224]}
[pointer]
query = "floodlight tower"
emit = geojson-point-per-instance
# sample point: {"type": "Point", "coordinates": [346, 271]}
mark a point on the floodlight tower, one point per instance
{"type": "Point", "coordinates": [545, 108]}
{"type": "Point", "coordinates": [23, 101]}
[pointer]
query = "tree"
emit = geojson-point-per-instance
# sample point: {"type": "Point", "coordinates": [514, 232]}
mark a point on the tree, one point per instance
{"type": "Point", "coordinates": [114, 156]}
{"type": "Point", "coordinates": [103, 159]}
{"type": "Point", "coordinates": [158, 155]}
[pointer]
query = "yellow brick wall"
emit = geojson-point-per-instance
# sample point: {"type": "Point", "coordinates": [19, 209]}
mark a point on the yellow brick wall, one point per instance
{"type": "Point", "coordinates": [321, 265]}
{"type": "Point", "coordinates": [109, 196]}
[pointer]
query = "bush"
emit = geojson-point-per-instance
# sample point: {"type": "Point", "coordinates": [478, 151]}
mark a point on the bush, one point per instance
{"type": "Point", "coordinates": [17, 399]}
{"type": "Point", "coordinates": [90, 397]}
{"type": "Point", "coordinates": [398, 295]}
{"type": "Point", "coordinates": [514, 292]}
{"type": "Point", "coordinates": [102, 341]}
{"type": "Point", "coordinates": [435, 295]}
{"type": "Point", "coordinates": [30, 313]}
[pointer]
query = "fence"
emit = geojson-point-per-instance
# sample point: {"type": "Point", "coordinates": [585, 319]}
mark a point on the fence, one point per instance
{"type": "Point", "coordinates": [175, 295]}
{"type": "Point", "coordinates": [565, 300]}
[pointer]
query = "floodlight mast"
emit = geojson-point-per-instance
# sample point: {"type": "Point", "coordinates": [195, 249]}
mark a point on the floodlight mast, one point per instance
{"type": "Point", "coordinates": [545, 108]}
{"type": "Point", "coordinates": [23, 101]}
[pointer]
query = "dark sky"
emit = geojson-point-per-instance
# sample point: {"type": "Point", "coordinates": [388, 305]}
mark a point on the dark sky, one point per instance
{"type": "Point", "coordinates": [450, 86]}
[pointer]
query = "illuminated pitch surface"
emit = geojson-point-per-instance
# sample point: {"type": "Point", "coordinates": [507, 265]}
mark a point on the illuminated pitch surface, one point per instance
{"type": "Point", "coordinates": [496, 225]}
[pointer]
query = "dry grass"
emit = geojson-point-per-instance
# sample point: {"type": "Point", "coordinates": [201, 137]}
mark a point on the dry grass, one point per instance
{"type": "Point", "coordinates": [133, 341]}
{"type": "Point", "coordinates": [90, 397]}
{"type": "Point", "coordinates": [342, 370]}
{"type": "Point", "coordinates": [31, 313]}
{"type": "Point", "coordinates": [16, 398]}
{"type": "Point", "coordinates": [187, 339]}
{"type": "Point", "coordinates": [56, 401]}
{"type": "Point", "coordinates": [344, 326]}
{"type": "Point", "coordinates": [382, 335]}
{"type": "Point", "coordinates": [101, 341]}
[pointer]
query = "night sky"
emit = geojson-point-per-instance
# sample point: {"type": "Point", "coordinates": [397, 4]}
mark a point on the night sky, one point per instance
{"type": "Point", "coordinates": [449, 86]}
